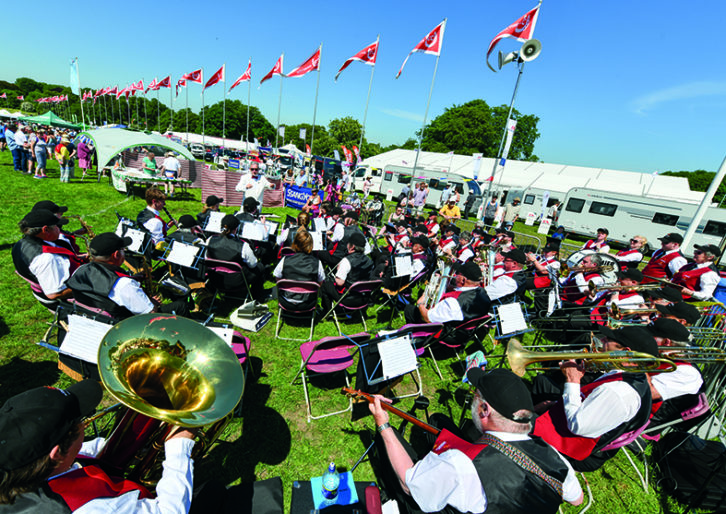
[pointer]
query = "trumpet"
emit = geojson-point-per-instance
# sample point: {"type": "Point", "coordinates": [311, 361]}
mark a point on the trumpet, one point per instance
{"type": "Point", "coordinates": [626, 361]}
{"type": "Point", "coordinates": [605, 287]}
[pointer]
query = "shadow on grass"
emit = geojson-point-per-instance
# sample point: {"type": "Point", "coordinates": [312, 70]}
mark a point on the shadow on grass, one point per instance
{"type": "Point", "coordinates": [4, 328]}
{"type": "Point", "coordinates": [20, 375]}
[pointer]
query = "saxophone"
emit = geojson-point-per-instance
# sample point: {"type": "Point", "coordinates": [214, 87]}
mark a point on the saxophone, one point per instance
{"type": "Point", "coordinates": [90, 234]}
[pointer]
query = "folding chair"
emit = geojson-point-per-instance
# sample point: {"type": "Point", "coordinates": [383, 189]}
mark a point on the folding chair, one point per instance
{"type": "Point", "coordinates": [466, 331]}
{"type": "Point", "coordinates": [38, 294]}
{"type": "Point", "coordinates": [296, 287]}
{"type": "Point", "coordinates": [401, 296]}
{"type": "Point", "coordinates": [216, 272]}
{"type": "Point", "coordinates": [327, 356]}
{"type": "Point", "coordinates": [361, 292]}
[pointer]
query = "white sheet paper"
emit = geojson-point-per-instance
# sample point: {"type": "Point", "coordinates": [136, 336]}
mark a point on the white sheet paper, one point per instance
{"type": "Point", "coordinates": [83, 338]}
{"type": "Point", "coordinates": [511, 318]}
{"type": "Point", "coordinates": [254, 231]}
{"type": "Point", "coordinates": [137, 237]}
{"type": "Point", "coordinates": [226, 333]}
{"type": "Point", "coordinates": [320, 225]}
{"type": "Point", "coordinates": [317, 241]}
{"type": "Point", "coordinates": [403, 265]}
{"type": "Point", "coordinates": [214, 222]}
{"type": "Point", "coordinates": [271, 227]}
{"type": "Point", "coordinates": [397, 357]}
{"type": "Point", "coordinates": [182, 254]}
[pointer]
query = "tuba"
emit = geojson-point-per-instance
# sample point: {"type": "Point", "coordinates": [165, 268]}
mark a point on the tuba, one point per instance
{"type": "Point", "coordinates": [169, 371]}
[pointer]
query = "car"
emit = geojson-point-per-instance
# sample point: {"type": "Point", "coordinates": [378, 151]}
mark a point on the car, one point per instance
{"type": "Point", "coordinates": [197, 150]}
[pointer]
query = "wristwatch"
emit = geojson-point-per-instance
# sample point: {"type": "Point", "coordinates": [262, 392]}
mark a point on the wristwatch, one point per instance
{"type": "Point", "coordinates": [384, 426]}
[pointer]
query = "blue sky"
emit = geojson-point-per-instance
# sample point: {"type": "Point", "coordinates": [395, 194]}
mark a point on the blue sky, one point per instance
{"type": "Point", "coordinates": [623, 85]}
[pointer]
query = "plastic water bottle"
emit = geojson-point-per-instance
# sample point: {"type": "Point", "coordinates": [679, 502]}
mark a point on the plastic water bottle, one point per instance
{"type": "Point", "coordinates": [331, 482]}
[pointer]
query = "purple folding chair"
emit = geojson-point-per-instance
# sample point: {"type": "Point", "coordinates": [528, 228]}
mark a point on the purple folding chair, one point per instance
{"type": "Point", "coordinates": [355, 299]}
{"type": "Point", "coordinates": [38, 294]}
{"type": "Point", "coordinates": [296, 287]}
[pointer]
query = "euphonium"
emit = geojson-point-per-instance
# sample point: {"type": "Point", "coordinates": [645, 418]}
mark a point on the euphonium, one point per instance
{"type": "Point", "coordinates": [627, 361]}
{"type": "Point", "coordinates": [169, 371]}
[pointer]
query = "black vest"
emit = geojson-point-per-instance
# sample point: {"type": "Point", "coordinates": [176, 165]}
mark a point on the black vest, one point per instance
{"type": "Point", "coordinates": [245, 217]}
{"type": "Point", "coordinates": [183, 236]}
{"type": "Point", "coordinates": [92, 283]}
{"type": "Point", "coordinates": [42, 500]}
{"type": "Point", "coordinates": [28, 248]}
{"type": "Point", "coordinates": [301, 266]}
{"type": "Point", "coordinates": [342, 247]}
{"type": "Point", "coordinates": [361, 268]}
{"type": "Point", "coordinates": [202, 218]}
{"type": "Point", "coordinates": [225, 248]}
{"type": "Point", "coordinates": [471, 308]}
{"type": "Point", "coordinates": [143, 217]}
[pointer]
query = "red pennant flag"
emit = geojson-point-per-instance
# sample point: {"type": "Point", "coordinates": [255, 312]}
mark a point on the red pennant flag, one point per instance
{"type": "Point", "coordinates": [431, 44]}
{"type": "Point", "coordinates": [164, 83]}
{"type": "Point", "coordinates": [357, 154]}
{"type": "Point", "coordinates": [247, 75]}
{"type": "Point", "coordinates": [3, 95]}
{"type": "Point", "coordinates": [276, 70]}
{"type": "Point", "coordinates": [521, 30]}
{"type": "Point", "coordinates": [195, 76]}
{"type": "Point", "coordinates": [180, 84]}
{"type": "Point", "coordinates": [367, 56]}
{"type": "Point", "coordinates": [312, 64]}
{"type": "Point", "coordinates": [139, 86]}
{"type": "Point", "coordinates": [98, 93]}
{"type": "Point", "coordinates": [121, 92]}
{"type": "Point", "coordinates": [21, 97]}
{"type": "Point", "coordinates": [307, 149]}
{"type": "Point", "coordinates": [153, 86]}
{"type": "Point", "coordinates": [112, 90]}
{"type": "Point", "coordinates": [217, 77]}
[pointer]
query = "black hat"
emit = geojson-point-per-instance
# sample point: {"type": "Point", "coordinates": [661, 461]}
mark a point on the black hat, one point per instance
{"type": "Point", "coordinates": [451, 228]}
{"type": "Point", "coordinates": [33, 422]}
{"type": "Point", "coordinates": [680, 310]}
{"type": "Point", "coordinates": [478, 231]}
{"type": "Point", "coordinates": [551, 248]}
{"type": "Point", "coordinates": [230, 222]}
{"type": "Point", "coordinates": [672, 237]}
{"type": "Point", "coordinates": [357, 239]}
{"type": "Point", "coordinates": [638, 339]}
{"type": "Point", "coordinates": [108, 243]}
{"type": "Point", "coordinates": [516, 255]}
{"type": "Point", "coordinates": [502, 390]}
{"type": "Point", "coordinates": [669, 329]}
{"type": "Point", "coordinates": [423, 229]}
{"type": "Point", "coordinates": [50, 206]}
{"type": "Point", "coordinates": [712, 249]}
{"type": "Point", "coordinates": [604, 231]}
{"type": "Point", "coordinates": [433, 213]}
{"type": "Point", "coordinates": [213, 200]}
{"type": "Point", "coordinates": [41, 218]}
{"type": "Point", "coordinates": [553, 241]}
{"type": "Point", "coordinates": [420, 240]}
{"type": "Point", "coordinates": [672, 294]}
{"type": "Point", "coordinates": [250, 202]}
{"type": "Point", "coordinates": [352, 215]}
{"type": "Point", "coordinates": [471, 271]}
{"type": "Point", "coordinates": [187, 221]}
{"type": "Point", "coordinates": [631, 273]}
{"type": "Point", "coordinates": [336, 211]}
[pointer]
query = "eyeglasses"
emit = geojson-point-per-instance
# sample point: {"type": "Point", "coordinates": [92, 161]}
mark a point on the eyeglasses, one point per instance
{"type": "Point", "coordinates": [254, 169]}
{"type": "Point", "coordinates": [696, 252]}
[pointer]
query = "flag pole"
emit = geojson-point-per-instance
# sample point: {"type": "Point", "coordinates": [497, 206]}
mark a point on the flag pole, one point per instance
{"type": "Point", "coordinates": [158, 111]}
{"type": "Point", "coordinates": [171, 103]}
{"type": "Point", "coordinates": [186, 93]}
{"type": "Point", "coordinates": [365, 111]}
{"type": "Point", "coordinates": [224, 104]}
{"type": "Point", "coordinates": [247, 135]}
{"type": "Point", "coordinates": [136, 102]}
{"type": "Point", "coordinates": [426, 113]}
{"type": "Point", "coordinates": [146, 121]}
{"type": "Point", "coordinates": [105, 111]}
{"type": "Point", "coordinates": [128, 105]}
{"type": "Point", "coordinates": [315, 107]}
{"type": "Point", "coordinates": [78, 76]}
{"type": "Point", "coordinates": [279, 104]}
{"type": "Point", "coordinates": [203, 140]}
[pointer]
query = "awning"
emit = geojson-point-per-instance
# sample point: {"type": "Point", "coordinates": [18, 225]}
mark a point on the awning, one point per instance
{"type": "Point", "coordinates": [50, 118]}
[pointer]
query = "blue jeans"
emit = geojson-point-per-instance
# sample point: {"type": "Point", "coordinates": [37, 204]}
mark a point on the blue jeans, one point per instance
{"type": "Point", "coordinates": [23, 159]}
{"type": "Point", "coordinates": [16, 159]}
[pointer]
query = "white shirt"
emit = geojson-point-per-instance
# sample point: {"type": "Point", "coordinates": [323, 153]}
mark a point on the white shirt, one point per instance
{"type": "Point", "coordinates": [155, 226]}
{"type": "Point", "coordinates": [504, 285]}
{"type": "Point", "coordinates": [51, 270]}
{"type": "Point", "coordinates": [450, 478]}
{"type": "Point", "coordinates": [343, 269]}
{"type": "Point", "coordinates": [127, 292]}
{"type": "Point", "coordinates": [448, 309]}
{"type": "Point", "coordinates": [277, 272]}
{"type": "Point", "coordinates": [685, 379]}
{"type": "Point", "coordinates": [338, 232]}
{"type": "Point", "coordinates": [677, 262]}
{"type": "Point", "coordinates": [20, 139]}
{"type": "Point", "coordinates": [257, 190]}
{"type": "Point", "coordinates": [631, 257]}
{"type": "Point", "coordinates": [708, 283]}
{"type": "Point", "coordinates": [171, 164]}
{"type": "Point", "coordinates": [248, 256]}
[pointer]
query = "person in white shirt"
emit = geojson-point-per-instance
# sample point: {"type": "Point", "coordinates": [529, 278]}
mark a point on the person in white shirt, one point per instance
{"type": "Point", "coordinates": [600, 243]}
{"type": "Point", "coordinates": [698, 280]}
{"type": "Point", "coordinates": [253, 184]}
{"type": "Point", "coordinates": [150, 218]}
{"type": "Point", "coordinates": [171, 167]}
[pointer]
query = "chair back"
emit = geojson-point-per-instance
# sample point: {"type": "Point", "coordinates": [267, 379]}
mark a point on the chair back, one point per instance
{"type": "Point", "coordinates": [34, 286]}
{"type": "Point", "coordinates": [330, 342]}
{"type": "Point", "coordinates": [361, 292]}
{"type": "Point", "coordinates": [285, 251]}
{"type": "Point", "coordinates": [297, 286]}
{"type": "Point", "coordinates": [217, 266]}
{"type": "Point", "coordinates": [93, 310]}
{"type": "Point", "coordinates": [625, 439]}
{"type": "Point", "coordinates": [701, 407]}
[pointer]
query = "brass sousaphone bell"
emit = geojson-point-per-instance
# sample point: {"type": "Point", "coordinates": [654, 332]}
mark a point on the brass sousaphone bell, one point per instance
{"type": "Point", "coordinates": [170, 371]}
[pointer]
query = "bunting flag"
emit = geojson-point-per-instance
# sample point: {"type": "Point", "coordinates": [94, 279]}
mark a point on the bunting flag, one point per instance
{"type": "Point", "coordinates": [21, 97]}
{"type": "Point", "coordinates": [247, 75]}
{"type": "Point", "coordinates": [217, 77]}
{"type": "Point", "coordinates": [522, 30]}
{"type": "Point", "coordinates": [194, 76]}
{"type": "Point", "coordinates": [111, 90]}
{"type": "Point", "coordinates": [431, 44]}
{"type": "Point", "coordinates": [311, 64]}
{"type": "Point", "coordinates": [164, 83]}
{"type": "Point", "coordinates": [3, 95]}
{"type": "Point", "coordinates": [98, 93]}
{"type": "Point", "coordinates": [180, 84]}
{"type": "Point", "coordinates": [139, 86]}
{"type": "Point", "coordinates": [276, 70]}
{"type": "Point", "coordinates": [357, 154]}
{"type": "Point", "coordinates": [367, 56]}
{"type": "Point", "coordinates": [153, 86]}
{"type": "Point", "coordinates": [122, 92]}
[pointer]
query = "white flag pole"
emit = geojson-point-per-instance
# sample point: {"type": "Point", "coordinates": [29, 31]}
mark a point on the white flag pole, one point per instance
{"type": "Point", "coordinates": [224, 105]}
{"type": "Point", "coordinates": [203, 135]}
{"type": "Point", "coordinates": [78, 76]}
{"type": "Point", "coordinates": [247, 136]}
{"type": "Point", "coordinates": [315, 108]}
{"type": "Point", "coordinates": [171, 104]}
{"type": "Point", "coordinates": [279, 104]}
{"type": "Point", "coordinates": [365, 111]}
{"type": "Point", "coordinates": [186, 93]}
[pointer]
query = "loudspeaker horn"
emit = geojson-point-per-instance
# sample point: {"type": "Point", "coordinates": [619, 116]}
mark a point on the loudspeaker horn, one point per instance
{"type": "Point", "coordinates": [530, 50]}
{"type": "Point", "coordinates": [506, 59]}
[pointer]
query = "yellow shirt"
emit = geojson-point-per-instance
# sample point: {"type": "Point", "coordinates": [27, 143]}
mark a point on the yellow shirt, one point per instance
{"type": "Point", "coordinates": [450, 212]}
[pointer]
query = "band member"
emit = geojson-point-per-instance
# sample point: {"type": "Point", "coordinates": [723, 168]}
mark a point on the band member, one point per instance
{"type": "Point", "coordinates": [600, 243]}
{"type": "Point", "coordinates": [667, 261]}
{"type": "Point", "coordinates": [627, 298]}
{"type": "Point", "coordinates": [465, 250]}
{"type": "Point", "coordinates": [450, 239]}
{"type": "Point", "coordinates": [183, 232]}
{"type": "Point", "coordinates": [150, 218]}
{"type": "Point", "coordinates": [480, 239]}
{"type": "Point", "coordinates": [585, 420]}
{"type": "Point", "coordinates": [43, 431]}
{"type": "Point", "coordinates": [339, 249]}
{"type": "Point", "coordinates": [301, 266]}
{"type": "Point", "coordinates": [548, 263]}
{"type": "Point", "coordinates": [634, 254]}
{"type": "Point", "coordinates": [249, 212]}
{"type": "Point", "coordinates": [504, 240]}
{"type": "Point", "coordinates": [700, 277]}
{"type": "Point", "coordinates": [102, 283]}
{"type": "Point", "coordinates": [288, 235]}
{"type": "Point", "coordinates": [354, 267]}
{"type": "Point", "coordinates": [664, 296]}
{"type": "Point", "coordinates": [432, 224]}
{"type": "Point", "coordinates": [66, 238]}
{"type": "Point", "coordinates": [212, 203]}
{"type": "Point", "coordinates": [685, 313]}
{"type": "Point", "coordinates": [575, 286]}
{"type": "Point", "coordinates": [483, 476]}
{"type": "Point", "coordinates": [39, 258]}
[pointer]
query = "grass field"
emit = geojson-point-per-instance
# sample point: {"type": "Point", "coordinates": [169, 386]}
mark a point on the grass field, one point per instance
{"type": "Point", "coordinates": [273, 438]}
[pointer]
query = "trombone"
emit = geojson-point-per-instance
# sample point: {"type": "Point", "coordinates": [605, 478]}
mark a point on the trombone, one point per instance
{"type": "Point", "coordinates": [618, 314]}
{"type": "Point", "coordinates": [705, 354]}
{"type": "Point", "coordinates": [565, 270]}
{"type": "Point", "coordinates": [639, 287]}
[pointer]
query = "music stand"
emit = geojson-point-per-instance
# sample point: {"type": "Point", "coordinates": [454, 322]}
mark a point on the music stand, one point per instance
{"type": "Point", "coordinates": [140, 239]}
{"type": "Point", "coordinates": [510, 320]}
{"type": "Point", "coordinates": [213, 224]}
{"type": "Point", "coordinates": [388, 357]}
{"type": "Point", "coordinates": [403, 265]}
{"type": "Point", "coordinates": [183, 254]}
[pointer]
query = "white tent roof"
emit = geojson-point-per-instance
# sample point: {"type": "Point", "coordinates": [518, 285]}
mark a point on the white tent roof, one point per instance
{"type": "Point", "coordinates": [112, 141]}
{"type": "Point", "coordinates": [216, 141]}
{"type": "Point", "coordinates": [5, 114]}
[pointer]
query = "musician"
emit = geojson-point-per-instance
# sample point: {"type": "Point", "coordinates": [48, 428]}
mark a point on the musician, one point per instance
{"type": "Point", "coordinates": [432, 224]}
{"type": "Point", "coordinates": [465, 250]}
{"type": "Point", "coordinates": [547, 263]}
{"type": "Point", "coordinates": [301, 266]}
{"type": "Point", "coordinates": [66, 238]}
{"type": "Point", "coordinates": [664, 296]}
{"type": "Point", "coordinates": [600, 243]}
{"type": "Point", "coordinates": [43, 432]}
{"type": "Point", "coordinates": [340, 248]}
{"type": "Point", "coordinates": [634, 253]}
{"type": "Point", "coordinates": [288, 235]}
{"type": "Point", "coordinates": [627, 298]}
{"type": "Point", "coordinates": [102, 283]}
{"type": "Point", "coordinates": [700, 277]}
{"type": "Point", "coordinates": [685, 313]}
{"type": "Point", "coordinates": [585, 420]}
{"type": "Point", "coordinates": [575, 286]}
{"type": "Point", "coordinates": [457, 305]}
{"type": "Point", "coordinates": [39, 258]}
{"type": "Point", "coordinates": [249, 212]}
{"type": "Point", "coordinates": [478, 477]}
{"type": "Point", "coordinates": [375, 209]}
{"type": "Point", "coordinates": [212, 203]}
{"type": "Point", "coordinates": [504, 240]}
{"type": "Point", "coordinates": [450, 239]}
{"type": "Point", "coordinates": [665, 262]}
{"type": "Point", "coordinates": [150, 219]}
{"type": "Point", "coordinates": [419, 261]}
{"type": "Point", "coordinates": [354, 267]}
{"type": "Point", "coordinates": [399, 242]}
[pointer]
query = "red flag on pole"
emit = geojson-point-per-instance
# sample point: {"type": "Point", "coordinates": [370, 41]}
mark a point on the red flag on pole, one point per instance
{"type": "Point", "coordinates": [312, 64]}
{"type": "Point", "coordinates": [122, 92]}
{"type": "Point", "coordinates": [276, 70]}
{"type": "Point", "coordinates": [180, 84]}
{"type": "Point", "coordinates": [247, 75]}
{"type": "Point", "coordinates": [112, 90]}
{"type": "Point", "coordinates": [98, 93]}
{"type": "Point", "coordinates": [431, 44]}
{"type": "Point", "coordinates": [153, 86]}
{"type": "Point", "coordinates": [307, 149]}
{"type": "Point", "coordinates": [217, 77]}
{"type": "Point", "coordinates": [164, 83]}
{"type": "Point", "coordinates": [139, 86]}
{"type": "Point", "coordinates": [367, 56]}
{"type": "Point", "coordinates": [21, 97]}
{"type": "Point", "coordinates": [194, 76]}
{"type": "Point", "coordinates": [521, 30]}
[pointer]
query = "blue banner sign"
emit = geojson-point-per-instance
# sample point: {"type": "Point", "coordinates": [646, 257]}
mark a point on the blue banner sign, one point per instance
{"type": "Point", "coordinates": [297, 197]}
{"type": "Point", "coordinates": [234, 164]}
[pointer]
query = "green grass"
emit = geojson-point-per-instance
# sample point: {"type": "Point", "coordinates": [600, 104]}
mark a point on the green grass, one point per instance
{"type": "Point", "coordinates": [273, 437]}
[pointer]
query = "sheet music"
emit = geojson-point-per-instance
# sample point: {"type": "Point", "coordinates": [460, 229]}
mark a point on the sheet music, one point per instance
{"type": "Point", "coordinates": [254, 231]}
{"type": "Point", "coordinates": [511, 318]}
{"type": "Point", "coordinates": [397, 357]}
{"type": "Point", "coordinates": [120, 229]}
{"type": "Point", "coordinates": [83, 338]}
{"type": "Point", "coordinates": [317, 241]}
{"type": "Point", "coordinates": [214, 222]}
{"type": "Point", "coordinates": [404, 265]}
{"type": "Point", "coordinates": [226, 333]}
{"type": "Point", "coordinates": [137, 240]}
{"type": "Point", "coordinates": [183, 254]}
{"type": "Point", "coordinates": [320, 225]}
{"type": "Point", "coordinates": [271, 227]}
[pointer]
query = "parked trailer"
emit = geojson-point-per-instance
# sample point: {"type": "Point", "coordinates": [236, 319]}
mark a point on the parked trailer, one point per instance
{"type": "Point", "coordinates": [585, 210]}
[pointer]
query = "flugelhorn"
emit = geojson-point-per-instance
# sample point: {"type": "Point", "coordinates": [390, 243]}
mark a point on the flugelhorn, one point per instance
{"type": "Point", "coordinates": [616, 287]}
{"type": "Point", "coordinates": [627, 361]}
{"type": "Point", "coordinates": [169, 371]}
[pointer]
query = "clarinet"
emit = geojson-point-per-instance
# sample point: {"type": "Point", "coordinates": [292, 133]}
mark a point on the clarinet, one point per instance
{"type": "Point", "coordinates": [171, 218]}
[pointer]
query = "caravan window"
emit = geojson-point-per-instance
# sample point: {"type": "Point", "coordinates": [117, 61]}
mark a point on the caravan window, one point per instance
{"type": "Point", "coordinates": [388, 176]}
{"type": "Point", "coordinates": [436, 184]}
{"type": "Point", "coordinates": [604, 209]}
{"type": "Point", "coordinates": [529, 199]}
{"type": "Point", "coordinates": [575, 205]}
{"type": "Point", "coordinates": [404, 179]}
{"type": "Point", "coordinates": [665, 219]}
{"type": "Point", "coordinates": [715, 228]}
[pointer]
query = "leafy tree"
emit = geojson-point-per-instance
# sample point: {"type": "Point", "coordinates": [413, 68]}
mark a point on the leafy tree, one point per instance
{"type": "Point", "coordinates": [700, 180]}
{"type": "Point", "coordinates": [236, 122]}
{"type": "Point", "coordinates": [28, 85]}
{"type": "Point", "coordinates": [345, 131]}
{"type": "Point", "coordinates": [28, 106]}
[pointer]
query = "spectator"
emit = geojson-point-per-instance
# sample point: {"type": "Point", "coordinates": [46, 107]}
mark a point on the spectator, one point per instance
{"type": "Point", "coordinates": [39, 148]}
{"type": "Point", "coordinates": [62, 155]}
{"type": "Point", "coordinates": [171, 167]}
{"type": "Point", "coordinates": [511, 213]}
{"type": "Point", "coordinates": [21, 141]}
{"type": "Point", "coordinates": [148, 164]}
{"type": "Point", "coordinates": [84, 151]}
